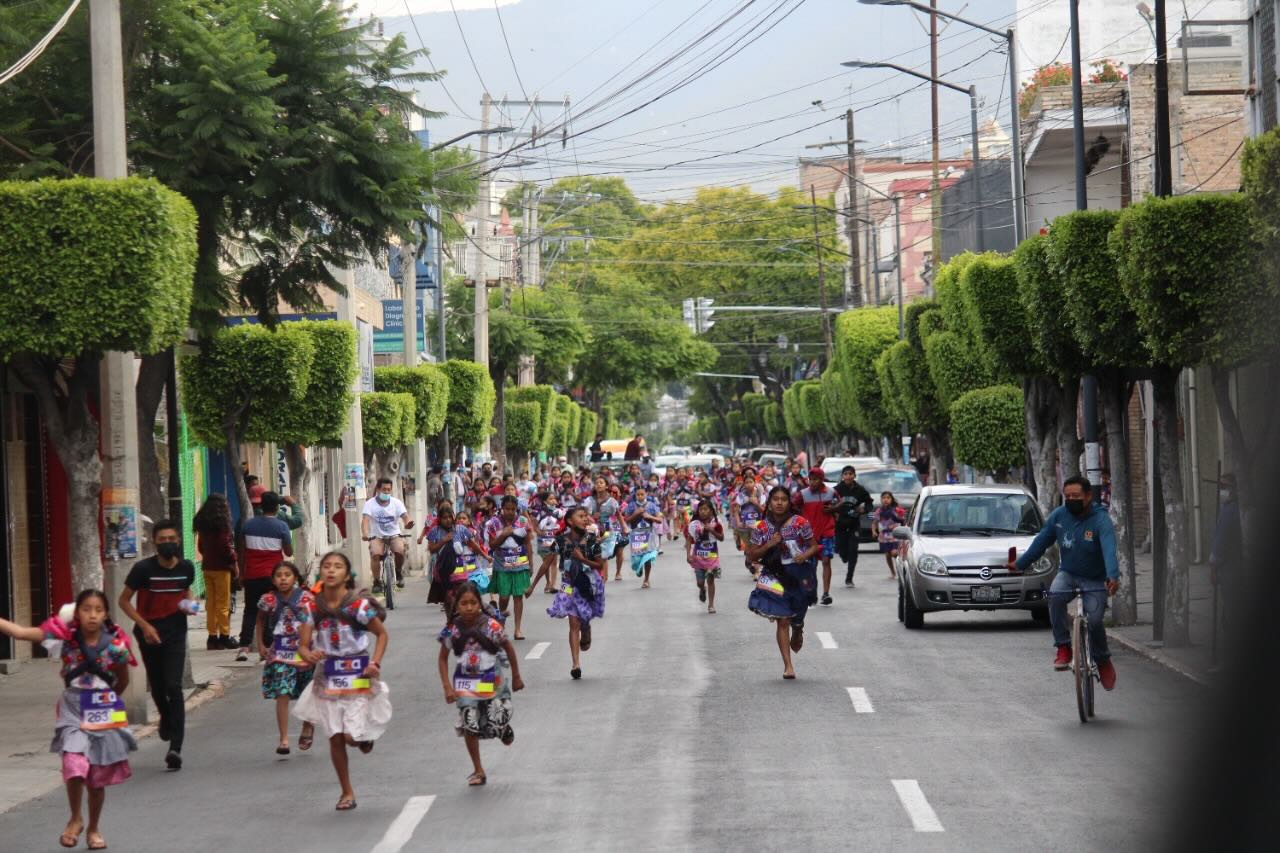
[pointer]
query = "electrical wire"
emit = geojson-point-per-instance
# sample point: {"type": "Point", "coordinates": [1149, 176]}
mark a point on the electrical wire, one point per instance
{"type": "Point", "coordinates": [476, 68]}
{"type": "Point", "coordinates": [503, 27]}
{"type": "Point", "coordinates": [39, 47]}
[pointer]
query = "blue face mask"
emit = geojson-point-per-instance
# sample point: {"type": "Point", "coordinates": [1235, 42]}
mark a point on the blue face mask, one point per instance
{"type": "Point", "coordinates": [384, 498]}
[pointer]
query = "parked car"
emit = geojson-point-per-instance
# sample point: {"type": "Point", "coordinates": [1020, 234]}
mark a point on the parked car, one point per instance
{"type": "Point", "coordinates": [833, 465]}
{"type": "Point", "coordinates": [904, 482]}
{"type": "Point", "coordinates": [674, 450]}
{"type": "Point", "coordinates": [778, 459]}
{"type": "Point", "coordinates": [721, 450]}
{"type": "Point", "coordinates": [755, 454]}
{"type": "Point", "coordinates": [957, 540]}
{"type": "Point", "coordinates": [669, 460]}
{"type": "Point", "coordinates": [701, 460]}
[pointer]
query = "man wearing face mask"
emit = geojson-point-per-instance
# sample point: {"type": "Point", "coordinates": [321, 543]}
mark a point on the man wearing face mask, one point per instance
{"type": "Point", "coordinates": [384, 514]}
{"type": "Point", "coordinates": [1087, 561]}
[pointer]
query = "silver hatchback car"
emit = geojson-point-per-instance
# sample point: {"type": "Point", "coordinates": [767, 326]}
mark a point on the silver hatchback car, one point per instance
{"type": "Point", "coordinates": [957, 542]}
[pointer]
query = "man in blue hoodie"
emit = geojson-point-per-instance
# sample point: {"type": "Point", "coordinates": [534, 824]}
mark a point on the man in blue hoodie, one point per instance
{"type": "Point", "coordinates": [1087, 561]}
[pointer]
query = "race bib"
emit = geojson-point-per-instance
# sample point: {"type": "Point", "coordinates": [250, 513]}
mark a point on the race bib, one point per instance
{"type": "Point", "coordinates": [705, 550]}
{"type": "Point", "coordinates": [464, 568]}
{"type": "Point", "coordinates": [345, 676]}
{"type": "Point", "coordinates": [640, 539]}
{"type": "Point", "coordinates": [101, 710]}
{"type": "Point", "coordinates": [546, 542]}
{"type": "Point", "coordinates": [477, 686]}
{"type": "Point", "coordinates": [566, 588]}
{"type": "Point", "coordinates": [748, 515]}
{"type": "Point", "coordinates": [769, 584]}
{"type": "Point", "coordinates": [514, 561]}
{"type": "Point", "coordinates": [285, 649]}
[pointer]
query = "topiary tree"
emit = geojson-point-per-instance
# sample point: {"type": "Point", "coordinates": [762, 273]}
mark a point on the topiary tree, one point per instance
{"type": "Point", "coordinates": [559, 436]}
{"type": "Point", "coordinates": [587, 432]}
{"type": "Point", "coordinates": [429, 387]}
{"type": "Point", "coordinates": [813, 408]}
{"type": "Point", "coordinates": [471, 401]}
{"type": "Point", "coordinates": [737, 426]}
{"type": "Point", "coordinates": [523, 421]}
{"type": "Point", "coordinates": [388, 422]}
{"type": "Point", "coordinates": [753, 410]}
{"type": "Point", "coordinates": [88, 266]}
{"type": "Point", "coordinates": [987, 429]}
{"type": "Point", "coordinates": [774, 426]}
{"type": "Point", "coordinates": [573, 428]}
{"type": "Point", "coordinates": [860, 337]}
{"type": "Point", "coordinates": [792, 415]}
{"type": "Point", "coordinates": [838, 400]}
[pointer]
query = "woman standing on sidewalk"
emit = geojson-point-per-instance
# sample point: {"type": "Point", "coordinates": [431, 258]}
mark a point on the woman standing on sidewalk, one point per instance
{"type": "Point", "coordinates": [92, 731]}
{"type": "Point", "coordinates": [217, 546]}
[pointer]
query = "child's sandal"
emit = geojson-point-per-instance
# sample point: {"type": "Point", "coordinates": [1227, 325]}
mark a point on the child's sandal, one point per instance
{"type": "Point", "coordinates": [475, 780]}
{"type": "Point", "coordinates": [345, 804]}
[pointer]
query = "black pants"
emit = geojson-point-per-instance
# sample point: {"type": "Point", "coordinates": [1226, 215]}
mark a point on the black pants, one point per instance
{"type": "Point", "coordinates": [163, 663]}
{"type": "Point", "coordinates": [847, 549]}
{"type": "Point", "coordinates": [254, 589]}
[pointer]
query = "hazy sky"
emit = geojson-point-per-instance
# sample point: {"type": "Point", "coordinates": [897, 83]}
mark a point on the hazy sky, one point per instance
{"type": "Point", "coordinates": [758, 66]}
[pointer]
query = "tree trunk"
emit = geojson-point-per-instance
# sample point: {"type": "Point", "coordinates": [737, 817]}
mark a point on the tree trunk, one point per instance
{"type": "Point", "coordinates": [500, 418]}
{"type": "Point", "coordinates": [387, 464]}
{"type": "Point", "coordinates": [1113, 393]}
{"type": "Point", "coordinates": [939, 455]}
{"type": "Point", "coordinates": [231, 435]}
{"type": "Point", "coordinates": [1177, 629]}
{"type": "Point", "coordinates": [149, 390]}
{"type": "Point", "coordinates": [295, 459]}
{"type": "Point", "coordinates": [1069, 444]}
{"type": "Point", "coordinates": [1041, 414]}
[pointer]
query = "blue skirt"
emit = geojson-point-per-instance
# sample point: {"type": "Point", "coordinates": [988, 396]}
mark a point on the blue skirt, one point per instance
{"type": "Point", "coordinates": [773, 602]}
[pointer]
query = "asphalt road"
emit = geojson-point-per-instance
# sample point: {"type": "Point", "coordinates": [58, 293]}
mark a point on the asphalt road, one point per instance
{"type": "Point", "coordinates": [682, 735]}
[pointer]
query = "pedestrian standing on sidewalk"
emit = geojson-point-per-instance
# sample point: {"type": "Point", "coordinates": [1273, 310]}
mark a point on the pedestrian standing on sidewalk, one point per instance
{"type": "Point", "coordinates": [163, 586]}
{"type": "Point", "coordinates": [785, 547]}
{"type": "Point", "coordinates": [264, 541]}
{"type": "Point", "coordinates": [348, 697]}
{"type": "Point", "coordinates": [479, 685]}
{"type": "Point", "coordinates": [281, 615]}
{"type": "Point", "coordinates": [92, 731]}
{"type": "Point", "coordinates": [851, 501]}
{"type": "Point", "coordinates": [217, 546]}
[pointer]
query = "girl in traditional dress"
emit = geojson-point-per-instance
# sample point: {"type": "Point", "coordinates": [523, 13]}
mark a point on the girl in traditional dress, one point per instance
{"type": "Point", "coordinates": [702, 551]}
{"type": "Point", "coordinates": [281, 615]}
{"type": "Point", "coordinates": [581, 595]}
{"type": "Point", "coordinates": [787, 585]}
{"type": "Point", "coordinates": [511, 540]}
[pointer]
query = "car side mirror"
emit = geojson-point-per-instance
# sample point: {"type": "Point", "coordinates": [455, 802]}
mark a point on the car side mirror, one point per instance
{"type": "Point", "coordinates": [902, 534]}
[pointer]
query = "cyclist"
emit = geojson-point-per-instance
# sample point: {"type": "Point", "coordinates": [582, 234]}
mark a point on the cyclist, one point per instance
{"type": "Point", "coordinates": [1087, 561]}
{"type": "Point", "coordinates": [385, 513]}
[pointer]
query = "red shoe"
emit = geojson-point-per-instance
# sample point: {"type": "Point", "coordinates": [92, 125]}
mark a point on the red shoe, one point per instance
{"type": "Point", "coordinates": [1062, 660]}
{"type": "Point", "coordinates": [1107, 675]}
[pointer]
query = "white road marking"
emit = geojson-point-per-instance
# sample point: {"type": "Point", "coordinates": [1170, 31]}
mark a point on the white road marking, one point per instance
{"type": "Point", "coordinates": [828, 642]}
{"type": "Point", "coordinates": [922, 815]}
{"type": "Point", "coordinates": [861, 701]}
{"type": "Point", "coordinates": [401, 829]}
{"type": "Point", "coordinates": [536, 651]}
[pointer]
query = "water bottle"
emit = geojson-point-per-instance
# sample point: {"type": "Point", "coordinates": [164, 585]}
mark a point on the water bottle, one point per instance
{"type": "Point", "coordinates": [189, 606]}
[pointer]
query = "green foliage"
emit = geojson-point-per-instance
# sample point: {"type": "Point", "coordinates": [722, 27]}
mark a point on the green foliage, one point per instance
{"type": "Point", "coordinates": [523, 422]}
{"type": "Point", "coordinates": [890, 394]}
{"type": "Point", "coordinates": [951, 366]}
{"type": "Point", "coordinates": [559, 445]}
{"type": "Point", "coordinates": [320, 417]}
{"type": "Point", "coordinates": [838, 400]}
{"type": "Point", "coordinates": [574, 425]}
{"type": "Point", "coordinates": [737, 425]}
{"type": "Point", "coordinates": [987, 428]}
{"type": "Point", "coordinates": [950, 299]}
{"type": "Point", "coordinates": [861, 336]}
{"type": "Point", "coordinates": [1101, 317]}
{"type": "Point", "coordinates": [90, 265]}
{"type": "Point", "coordinates": [611, 428]}
{"type": "Point", "coordinates": [1260, 174]}
{"type": "Point", "coordinates": [544, 396]}
{"type": "Point", "coordinates": [813, 407]}
{"type": "Point", "coordinates": [792, 413]}
{"type": "Point", "coordinates": [989, 289]}
{"type": "Point", "coordinates": [913, 317]}
{"type": "Point", "coordinates": [244, 380]}
{"type": "Point", "coordinates": [1043, 295]}
{"type": "Point", "coordinates": [753, 410]}
{"type": "Point", "coordinates": [387, 418]}
{"type": "Point", "coordinates": [1189, 266]}
{"type": "Point", "coordinates": [915, 397]}
{"type": "Point", "coordinates": [774, 425]}
{"type": "Point", "coordinates": [587, 432]}
{"type": "Point", "coordinates": [429, 387]}
{"type": "Point", "coordinates": [471, 401]}
{"type": "Point", "coordinates": [927, 323]}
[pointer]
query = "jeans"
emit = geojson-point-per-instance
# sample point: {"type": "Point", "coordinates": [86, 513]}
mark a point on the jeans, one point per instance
{"type": "Point", "coordinates": [217, 602]}
{"type": "Point", "coordinates": [254, 589]}
{"type": "Point", "coordinates": [847, 548]}
{"type": "Point", "coordinates": [1061, 591]}
{"type": "Point", "coordinates": [163, 663]}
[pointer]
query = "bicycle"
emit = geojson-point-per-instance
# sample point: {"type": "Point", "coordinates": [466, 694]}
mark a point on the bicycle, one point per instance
{"type": "Point", "coordinates": [1083, 666]}
{"type": "Point", "coordinates": [388, 573]}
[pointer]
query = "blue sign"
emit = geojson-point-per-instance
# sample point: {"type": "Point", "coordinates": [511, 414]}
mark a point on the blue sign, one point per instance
{"type": "Point", "coordinates": [391, 338]}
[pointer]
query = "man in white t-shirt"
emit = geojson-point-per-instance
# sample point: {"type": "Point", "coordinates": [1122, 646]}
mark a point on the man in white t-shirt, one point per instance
{"type": "Point", "coordinates": [380, 525]}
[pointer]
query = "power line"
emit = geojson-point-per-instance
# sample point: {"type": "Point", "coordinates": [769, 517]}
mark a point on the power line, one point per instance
{"type": "Point", "coordinates": [503, 27]}
{"type": "Point", "coordinates": [457, 20]}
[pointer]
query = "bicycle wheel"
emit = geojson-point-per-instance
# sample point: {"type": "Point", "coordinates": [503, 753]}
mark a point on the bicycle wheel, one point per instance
{"type": "Point", "coordinates": [1080, 666]}
{"type": "Point", "coordinates": [1089, 678]}
{"type": "Point", "coordinates": [389, 578]}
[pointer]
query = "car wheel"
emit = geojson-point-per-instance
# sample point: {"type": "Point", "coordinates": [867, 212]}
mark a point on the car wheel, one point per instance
{"type": "Point", "coordinates": [900, 598]}
{"type": "Point", "coordinates": [1041, 617]}
{"type": "Point", "coordinates": [912, 616]}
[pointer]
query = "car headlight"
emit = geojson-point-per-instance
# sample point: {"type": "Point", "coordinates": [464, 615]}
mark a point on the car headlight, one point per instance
{"type": "Point", "coordinates": [1042, 566]}
{"type": "Point", "coordinates": [931, 565]}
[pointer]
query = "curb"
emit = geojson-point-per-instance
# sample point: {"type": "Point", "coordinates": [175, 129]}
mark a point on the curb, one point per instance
{"type": "Point", "coordinates": [1156, 656]}
{"type": "Point", "coordinates": [202, 695]}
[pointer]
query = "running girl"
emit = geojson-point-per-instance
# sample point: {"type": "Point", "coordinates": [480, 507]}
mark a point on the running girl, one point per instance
{"type": "Point", "coordinates": [784, 544]}
{"type": "Point", "coordinates": [745, 513]}
{"type": "Point", "coordinates": [510, 535]}
{"type": "Point", "coordinates": [281, 614]}
{"type": "Point", "coordinates": [581, 595]}
{"type": "Point", "coordinates": [642, 515]}
{"type": "Point", "coordinates": [886, 517]}
{"type": "Point", "coordinates": [550, 523]}
{"type": "Point", "coordinates": [348, 697]}
{"type": "Point", "coordinates": [604, 509]}
{"type": "Point", "coordinates": [438, 535]}
{"type": "Point", "coordinates": [702, 551]}
{"type": "Point", "coordinates": [91, 730]}
{"type": "Point", "coordinates": [478, 685]}
{"type": "Point", "coordinates": [683, 499]}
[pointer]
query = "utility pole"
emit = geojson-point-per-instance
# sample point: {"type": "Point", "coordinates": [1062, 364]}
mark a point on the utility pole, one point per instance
{"type": "Point", "coordinates": [479, 250]}
{"type": "Point", "coordinates": [1164, 187]}
{"type": "Point", "coordinates": [855, 267]}
{"type": "Point", "coordinates": [822, 281]}
{"type": "Point", "coordinates": [119, 426]}
{"type": "Point", "coordinates": [935, 194]}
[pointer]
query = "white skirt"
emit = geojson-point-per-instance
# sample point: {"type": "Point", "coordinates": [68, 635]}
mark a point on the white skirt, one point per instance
{"type": "Point", "coordinates": [363, 717]}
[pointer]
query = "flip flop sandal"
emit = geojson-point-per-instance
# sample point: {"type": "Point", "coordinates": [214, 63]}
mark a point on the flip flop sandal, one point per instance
{"type": "Point", "coordinates": [508, 737]}
{"type": "Point", "coordinates": [711, 610]}
{"type": "Point", "coordinates": [75, 837]}
{"type": "Point", "coordinates": [791, 677]}
{"type": "Point", "coordinates": [305, 741]}
{"type": "Point", "coordinates": [365, 746]}
{"type": "Point", "coordinates": [475, 780]}
{"type": "Point", "coordinates": [575, 673]}
{"type": "Point", "coordinates": [797, 639]}
{"type": "Point", "coordinates": [101, 843]}
{"type": "Point", "coordinates": [345, 805]}
{"type": "Point", "coordinates": [284, 750]}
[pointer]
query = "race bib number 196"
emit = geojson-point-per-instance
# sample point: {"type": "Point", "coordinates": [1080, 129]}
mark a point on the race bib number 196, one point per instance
{"type": "Point", "coordinates": [345, 676]}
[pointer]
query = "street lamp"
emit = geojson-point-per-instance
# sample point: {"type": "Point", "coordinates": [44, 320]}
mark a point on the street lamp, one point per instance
{"type": "Point", "coordinates": [1015, 120]}
{"type": "Point", "coordinates": [477, 132]}
{"type": "Point", "coordinates": [972, 92]}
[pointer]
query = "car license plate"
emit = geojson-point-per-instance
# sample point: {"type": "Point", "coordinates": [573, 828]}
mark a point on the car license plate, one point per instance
{"type": "Point", "coordinates": [985, 594]}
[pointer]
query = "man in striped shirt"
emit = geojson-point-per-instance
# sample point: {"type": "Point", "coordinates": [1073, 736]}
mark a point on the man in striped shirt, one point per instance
{"type": "Point", "coordinates": [162, 583]}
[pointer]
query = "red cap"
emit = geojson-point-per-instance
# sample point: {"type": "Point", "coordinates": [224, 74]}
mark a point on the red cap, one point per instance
{"type": "Point", "coordinates": [256, 492]}
{"type": "Point", "coordinates": [816, 474]}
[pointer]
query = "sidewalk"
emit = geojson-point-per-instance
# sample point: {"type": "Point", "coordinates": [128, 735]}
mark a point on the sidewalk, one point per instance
{"type": "Point", "coordinates": [1192, 661]}
{"type": "Point", "coordinates": [28, 696]}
